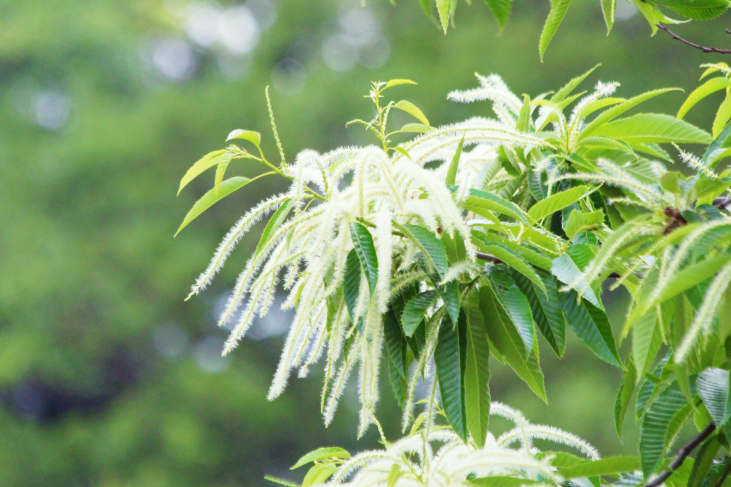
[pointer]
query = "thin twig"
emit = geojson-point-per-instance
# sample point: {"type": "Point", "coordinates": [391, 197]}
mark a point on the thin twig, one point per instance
{"type": "Point", "coordinates": [693, 44]}
{"type": "Point", "coordinates": [721, 203]}
{"type": "Point", "coordinates": [488, 258]}
{"type": "Point", "coordinates": [682, 454]}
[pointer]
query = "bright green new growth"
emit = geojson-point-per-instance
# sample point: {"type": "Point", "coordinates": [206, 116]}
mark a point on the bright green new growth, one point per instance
{"type": "Point", "coordinates": [471, 240]}
{"type": "Point", "coordinates": [652, 10]}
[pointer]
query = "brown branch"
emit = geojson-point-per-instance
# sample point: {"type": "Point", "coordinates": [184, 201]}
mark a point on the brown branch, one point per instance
{"type": "Point", "coordinates": [692, 44]}
{"type": "Point", "coordinates": [682, 454]}
{"type": "Point", "coordinates": [721, 203]}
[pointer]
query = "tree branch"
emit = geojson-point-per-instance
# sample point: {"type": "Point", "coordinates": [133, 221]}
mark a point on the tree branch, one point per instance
{"type": "Point", "coordinates": [682, 454]}
{"type": "Point", "coordinates": [692, 44]}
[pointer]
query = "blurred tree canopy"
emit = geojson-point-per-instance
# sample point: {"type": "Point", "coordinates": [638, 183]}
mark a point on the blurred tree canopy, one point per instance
{"type": "Point", "coordinates": [106, 376]}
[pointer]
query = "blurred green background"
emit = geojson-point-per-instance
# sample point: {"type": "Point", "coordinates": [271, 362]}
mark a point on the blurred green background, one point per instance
{"type": "Point", "coordinates": [107, 378]}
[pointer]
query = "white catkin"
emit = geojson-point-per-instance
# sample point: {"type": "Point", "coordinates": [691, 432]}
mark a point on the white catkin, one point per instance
{"type": "Point", "coordinates": [384, 251]}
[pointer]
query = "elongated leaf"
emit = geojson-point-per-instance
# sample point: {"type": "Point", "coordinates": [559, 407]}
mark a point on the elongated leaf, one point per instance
{"type": "Point", "coordinates": [445, 9]}
{"type": "Point", "coordinates": [397, 82]}
{"type": "Point", "coordinates": [366, 251]}
{"type": "Point", "coordinates": [452, 171]}
{"type": "Point", "coordinates": [274, 223]}
{"type": "Point", "coordinates": [555, 17]}
{"type": "Point", "coordinates": [415, 310]}
{"type": "Point", "coordinates": [477, 374]}
{"type": "Point", "coordinates": [352, 285]}
{"type": "Point", "coordinates": [579, 221]}
{"type": "Point", "coordinates": [713, 387]}
{"type": "Point", "coordinates": [558, 202]}
{"type": "Point", "coordinates": [430, 246]}
{"type": "Point", "coordinates": [592, 326]}
{"type": "Point", "coordinates": [533, 257]}
{"type": "Point", "coordinates": [450, 371]}
{"type": "Point", "coordinates": [211, 198]}
{"type": "Point", "coordinates": [651, 127]}
{"type": "Point", "coordinates": [415, 128]}
{"type": "Point", "coordinates": [704, 461]}
{"type": "Point", "coordinates": [204, 163]}
{"type": "Point", "coordinates": [482, 202]}
{"type": "Point", "coordinates": [566, 270]}
{"type": "Point", "coordinates": [318, 474]}
{"type": "Point", "coordinates": [502, 481]}
{"type": "Point", "coordinates": [454, 247]}
{"type": "Point", "coordinates": [508, 343]}
{"type": "Point", "coordinates": [545, 308]}
{"type": "Point", "coordinates": [711, 86]}
{"type": "Point", "coordinates": [395, 343]}
{"type": "Point", "coordinates": [321, 454]}
{"type": "Point", "coordinates": [599, 468]}
{"type": "Point", "coordinates": [250, 135]}
{"type": "Point", "coordinates": [643, 351]}
{"type": "Point", "coordinates": [571, 86]}
{"type": "Point", "coordinates": [624, 395]}
{"type": "Point", "coordinates": [516, 262]}
{"type": "Point", "coordinates": [518, 308]}
{"type": "Point", "coordinates": [693, 275]}
{"type": "Point", "coordinates": [612, 113]}
{"type": "Point", "coordinates": [655, 427]}
{"type": "Point", "coordinates": [609, 9]}
{"type": "Point", "coordinates": [412, 109]}
{"type": "Point", "coordinates": [523, 123]}
{"type": "Point", "coordinates": [718, 148]}
{"type": "Point", "coordinates": [500, 10]}
{"type": "Point", "coordinates": [697, 10]}
{"type": "Point", "coordinates": [279, 481]}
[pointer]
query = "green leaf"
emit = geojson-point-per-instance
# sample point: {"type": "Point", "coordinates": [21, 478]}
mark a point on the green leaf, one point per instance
{"type": "Point", "coordinates": [579, 221]}
{"type": "Point", "coordinates": [671, 182]}
{"type": "Point", "coordinates": [711, 86]}
{"type": "Point", "coordinates": [704, 461]}
{"type": "Point", "coordinates": [415, 310]}
{"type": "Point", "coordinates": [395, 343]}
{"type": "Point", "coordinates": [545, 308]}
{"type": "Point", "coordinates": [523, 123]}
{"type": "Point", "coordinates": [477, 374]}
{"type": "Point", "coordinates": [645, 343]}
{"type": "Point", "coordinates": [397, 82]}
{"type": "Point", "coordinates": [500, 10]}
{"type": "Point", "coordinates": [609, 9]}
{"type": "Point", "coordinates": [319, 474]}
{"type": "Point", "coordinates": [599, 468]}
{"type": "Point", "coordinates": [394, 475]}
{"type": "Point", "coordinates": [612, 113]}
{"type": "Point", "coordinates": [555, 17]}
{"type": "Point", "coordinates": [624, 395]}
{"type": "Point", "coordinates": [722, 117]}
{"type": "Point", "coordinates": [204, 163]}
{"type": "Point", "coordinates": [429, 244]}
{"type": "Point", "coordinates": [566, 270]}
{"type": "Point", "coordinates": [592, 326]}
{"type": "Point", "coordinates": [445, 9]}
{"type": "Point", "coordinates": [518, 308]}
{"type": "Point", "coordinates": [321, 454]}
{"type": "Point", "coordinates": [250, 135]}
{"type": "Point", "coordinates": [558, 201]}
{"type": "Point", "coordinates": [501, 481]}
{"type": "Point", "coordinates": [279, 481]}
{"type": "Point", "coordinates": [352, 284]}
{"type": "Point", "coordinates": [507, 342]}
{"type": "Point", "coordinates": [412, 109]}
{"type": "Point", "coordinates": [363, 244]}
{"type": "Point", "coordinates": [696, 9]}
{"type": "Point", "coordinates": [274, 223]}
{"type": "Point", "coordinates": [718, 148]}
{"type": "Point", "coordinates": [211, 198]}
{"type": "Point", "coordinates": [655, 427]}
{"type": "Point", "coordinates": [416, 128]}
{"type": "Point", "coordinates": [571, 86]}
{"type": "Point", "coordinates": [450, 371]}
{"type": "Point", "coordinates": [452, 171]}
{"type": "Point", "coordinates": [692, 275]}
{"type": "Point", "coordinates": [515, 261]}
{"type": "Point", "coordinates": [651, 127]}
{"type": "Point", "coordinates": [713, 387]}
{"type": "Point", "coordinates": [482, 203]}
{"type": "Point", "coordinates": [533, 257]}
